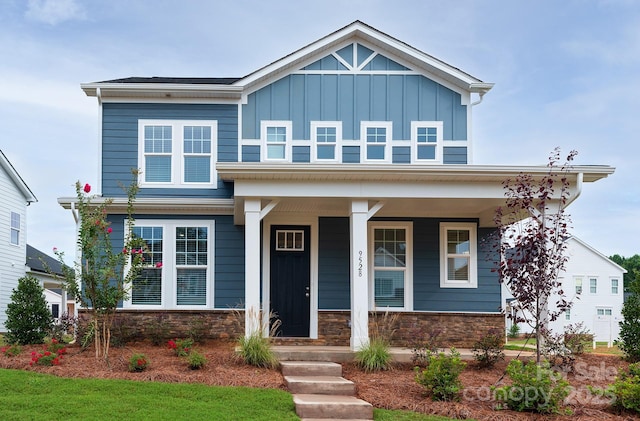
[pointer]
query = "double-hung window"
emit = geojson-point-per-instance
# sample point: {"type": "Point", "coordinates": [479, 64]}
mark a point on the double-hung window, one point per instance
{"type": "Point", "coordinates": [426, 141]}
{"type": "Point", "coordinates": [179, 272]}
{"type": "Point", "coordinates": [614, 286]}
{"type": "Point", "coordinates": [276, 138]}
{"type": "Point", "coordinates": [326, 141]}
{"type": "Point", "coordinates": [391, 261]}
{"type": "Point", "coordinates": [458, 255]}
{"type": "Point", "coordinates": [15, 229]}
{"type": "Point", "coordinates": [578, 285]}
{"type": "Point", "coordinates": [177, 153]}
{"type": "Point", "coordinates": [377, 140]}
{"type": "Point", "coordinates": [593, 285]}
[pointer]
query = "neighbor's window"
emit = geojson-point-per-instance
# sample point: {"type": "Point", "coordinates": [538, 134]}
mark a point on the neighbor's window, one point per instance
{"type": "Point", "coordinates": [15, 228]}
{"type": "Point", "coordinates": [567, 314]}
{"type": "Point", "coordinates": [614, 286]}
{"type": "Point", "coordinates": [176, 153]}
{"type": "Point", "coordinates": [326, 137]}
{"type": "Point", "coordinates": [458, 255]}
{"type": "Point", "coordinates": [391, 264]}
{"type": "Point", "coordinates": [604, 312]}
{"type": "Point", "coordinates": [578, 283]}
{"type": "Point", "coordinates": [593, 285]}
{"type": "Point", "coordinates": [426, 140]}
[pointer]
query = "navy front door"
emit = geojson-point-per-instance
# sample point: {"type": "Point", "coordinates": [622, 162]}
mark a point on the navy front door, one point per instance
{"type": "Point", "coordinates": [290, 279]}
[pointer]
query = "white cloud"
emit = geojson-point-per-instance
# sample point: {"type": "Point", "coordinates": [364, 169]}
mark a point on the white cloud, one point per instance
{"type": "Point", "coordinates": [54, 11]}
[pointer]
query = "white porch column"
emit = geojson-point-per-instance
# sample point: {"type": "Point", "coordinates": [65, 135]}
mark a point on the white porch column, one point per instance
{"type": "Point", "coordinates": [359, 275]}
{"type": "Point", "coordinates": [252, 208]}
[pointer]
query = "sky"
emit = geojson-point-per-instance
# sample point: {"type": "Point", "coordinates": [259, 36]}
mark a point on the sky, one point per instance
{"type": "Point", "coordinates": [565, 73]}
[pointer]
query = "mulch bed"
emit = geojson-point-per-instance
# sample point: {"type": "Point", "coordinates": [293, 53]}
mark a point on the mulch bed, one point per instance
{"type": "Point", "coordinates": [394, 389]}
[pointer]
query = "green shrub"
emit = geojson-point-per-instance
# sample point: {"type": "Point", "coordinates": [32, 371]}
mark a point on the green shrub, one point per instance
{"type": "Point", "coordinates": [489, 349]}
{"type": "Point", "coordinates": [181, 347]}
{"type": "Point", "coordinates": [424, 344]}
{"type": "Point", "coordinates": [28, 318]}
{"type": "Point", "coordinates": [626, 389]}
{"type": "Point", "coordinates": [577, 338]}
{"type": "Point", "coordinates": [441, 376]}
{"type": "Point", "coordinates": [374, 356]}
{"type": "Point", "coordinates": [256, 350]}
{"type": "Point", "coordinates": [11, 350]}
{"type": "Point", "coordinates": [629, 341]}
{"type": "Point", "coordinates": [534, 388]}
{"type": "Point", "coordinates": [514, 331]}
{"type": "Point", "coordinates": [138, 362]}
{"type": "Point", "coordinates": [196, 360]}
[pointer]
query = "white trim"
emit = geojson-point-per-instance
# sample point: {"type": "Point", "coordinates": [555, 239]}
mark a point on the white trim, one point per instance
{"type": "Point", "coordinates": [472, 282]}
{"type": "Point", "coordinates": [177, 153]}
{"type": "Point", "coordinates": [264, 153]}
{"type": "Point", "coordinates": [408, 268]}
{"type": "Point", "coordinates": [439, 126]}
{"type": "Point", "coordinates": [388, 126]}
{"type": "Point", "coordinates": [281, 219]}
{"type": "Point", "coordinates": [314, 140]}
{"type": "Point", "coordinates": [169, 300]}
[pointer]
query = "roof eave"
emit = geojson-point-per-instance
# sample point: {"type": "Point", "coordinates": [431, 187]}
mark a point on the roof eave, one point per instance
{"type": "Point", "coordinates": [161, 90]}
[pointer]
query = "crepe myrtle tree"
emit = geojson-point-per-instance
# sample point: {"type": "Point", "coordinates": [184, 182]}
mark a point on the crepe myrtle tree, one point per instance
{"type": "Point", "coordinates": [103, 276]}
{"type": "Point", "coordinates": [533, 226]}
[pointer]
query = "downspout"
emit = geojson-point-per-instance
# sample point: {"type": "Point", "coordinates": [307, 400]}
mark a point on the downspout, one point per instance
{"type": "Point", "coordinates": [579, 181]}
{"type": "Point", "coordinates": [480, 96]}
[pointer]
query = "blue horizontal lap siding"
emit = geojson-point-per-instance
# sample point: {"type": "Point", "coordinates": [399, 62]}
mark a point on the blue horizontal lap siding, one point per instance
{"type": "Point", "coordinates": [333, 264]}
{"type": "Point", "coordinates": [302, 98]}
{"type": "Point", "coordinates": [120, 143]}
{"type": "Point", "coordinates": [250, 153]}
{"type": "Point", "coordinates": [229, 267]}
{"type": "Point", "coordinates": [454, 155]}
{"type": "Point", "coordinates": [301, 154]}
{"type": "Point", "coordinates": [401, 155]}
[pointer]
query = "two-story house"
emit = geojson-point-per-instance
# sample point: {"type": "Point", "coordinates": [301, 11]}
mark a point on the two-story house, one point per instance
{"type": "Point", "coordinates": [15, 196]}
{"type": "Point", "coordinates": [332, 183]}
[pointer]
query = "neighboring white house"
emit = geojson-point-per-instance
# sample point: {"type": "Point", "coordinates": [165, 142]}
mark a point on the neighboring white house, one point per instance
{"type": "Point", "coordinates": [594, 284]}
{"type": "Point", "coordinates": [16, 196]}
{"type": "Point", "coordinates": [49, 272]}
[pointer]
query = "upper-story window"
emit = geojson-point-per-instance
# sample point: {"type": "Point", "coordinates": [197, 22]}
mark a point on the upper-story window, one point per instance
{"type": "Point", "coordinates": [175, 153]}
{"type": "Point", "coordinates": [15, 228]}
{"type": "Point", "coordinates": [593, 285]}
{"type": "Point", "coordinates": [458, 255]}
{"type": "Point", "coordinates": [326, 139]}
{"type": "Point", "coordinates": [276, 137]}
{"type": "Point", "coordinates": [426, 141]}
{"type": "Point", "coordinates": [614, 286]}
{"type": "Point", "coordinates": [377, 141]}
{"type": "Point", "coordinates": [578, 283]}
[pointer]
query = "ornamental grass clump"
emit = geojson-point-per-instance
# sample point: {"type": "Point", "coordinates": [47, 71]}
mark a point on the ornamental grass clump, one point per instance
{"type": "Point", "coordinates": [255, 349]}
{"type": "Point", "coordinates": [374, 356]}
{"type": "Point", "coordinates": [138, 363]}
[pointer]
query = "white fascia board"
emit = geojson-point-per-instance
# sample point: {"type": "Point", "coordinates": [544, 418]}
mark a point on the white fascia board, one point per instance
{"type": "Point", "coordinates": [17, 179]}
{"type": "Point", "coordinates": [161, 205]}
{"type": "Point", "coordinates": [166, 90]}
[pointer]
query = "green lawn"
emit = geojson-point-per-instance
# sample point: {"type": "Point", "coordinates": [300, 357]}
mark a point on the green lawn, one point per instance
{"type": "Point", "coordinates": [26, 395]}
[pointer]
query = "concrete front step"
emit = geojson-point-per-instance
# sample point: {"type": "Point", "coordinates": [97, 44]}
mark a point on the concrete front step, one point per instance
{"type": "Point", "coordinates": [310, 368]}
{"type": "Point", "coordinates": [323, 385]}
{"type": "Point", "coordinates": [332, 407]}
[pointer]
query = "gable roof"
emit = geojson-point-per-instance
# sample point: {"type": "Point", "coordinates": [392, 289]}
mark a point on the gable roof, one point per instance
{"type": "Point", "coordinates": [17, 180]}
{"type": "Point", "coordinates": [38, 261]}
{"type": "Point", "coordinates": [233, 88]}
{"type": "Point", "coordinates": [596, 252]}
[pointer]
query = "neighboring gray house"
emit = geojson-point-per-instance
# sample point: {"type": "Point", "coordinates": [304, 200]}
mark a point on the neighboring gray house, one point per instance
{"type": "Point", "coordinates": [15, 196]}
{"type": "Point", "coordinates": [332, 183]}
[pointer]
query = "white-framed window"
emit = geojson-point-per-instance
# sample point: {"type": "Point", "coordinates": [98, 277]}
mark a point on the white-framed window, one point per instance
{"type": "Point", "coordinates": [615, 286]}
{"type": "Point", "coordinates": [426, 141]}
{"type": "Point", "coordinates": [458, 255]}
{"type": "Point", "coordinates": [326, 141]}
{"type": "Point", "coordinates": [15, 229]}
{"type": "Point", "coordinates": [376, 140]}
{"type": "Point", "coordinates": [289, 240]}
{"type": "Point", "coordinates": [177, 153]}
{"type": "Point", "coordinates": [604, 312]}
{"type": "Point", "coordinates": [593, 285]}
{"type": "Point", "coordinates": [276, 140]}
{"type": "Point", "coordinates": [391, 261]}
{"type": "Point", "coordinates": [179, 274]}
{"type": "Point", "coordinates": [578, 284]}
{"type": "Point", "coordinates": [567, 314]}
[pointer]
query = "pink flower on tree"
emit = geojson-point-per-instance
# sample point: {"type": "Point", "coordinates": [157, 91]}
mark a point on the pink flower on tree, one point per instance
{"type": "Point", "coordinates": [159, 265]}
{"type": "Point", "coordinates": [87, 188]}
{"type": "Point", "coordinates": [109, 230]}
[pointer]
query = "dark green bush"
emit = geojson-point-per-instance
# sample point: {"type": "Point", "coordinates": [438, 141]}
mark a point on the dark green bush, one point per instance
{"type": "Point", "coordinates": [534, 388]}
{"type": "Point", "coordinates": [625, 391]}
{"type": "Point", "coordinates": [28, 318]}
{"type": "Point", "coordinates": [441, 376]}
{"type": "Point", "coordinates": [196, 360]}
{"type": "Point", "coordinates": [489, 349]}
{"type": "Point", "coordinates": [138, 362]}
{"type": "Point", "coordinates": [629, 341]}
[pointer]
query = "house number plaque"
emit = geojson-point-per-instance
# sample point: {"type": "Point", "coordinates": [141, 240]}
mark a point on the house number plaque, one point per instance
{"type": "Point", "coordinates": [360, 259]}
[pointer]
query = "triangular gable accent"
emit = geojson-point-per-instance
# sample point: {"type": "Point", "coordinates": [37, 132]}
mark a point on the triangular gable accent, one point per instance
{"type": "Point", "coordinates": [380, 62]}
{"type": "Point", "coordinates": [326, 63]}
{"type": "Point", "coordinates": [367, 59]}
{"type": "Point", "coordinates": [346, 54]}
{"type": "Point", "coordinates": [363, 54]}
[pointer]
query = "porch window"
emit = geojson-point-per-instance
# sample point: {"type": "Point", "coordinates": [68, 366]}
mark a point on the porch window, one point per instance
{"type": "Point", "coordinates": [180, 262]}
{"type": "Point", "coordinates": [391, 261]}
{"type": "Point", "coordinates": [276, 137]}
{"type": "Point", "coordinates": [614, 286]}
{"type": "Point", "coordinates": [426, 141]}
{"type": "Point", "coordinates": [15, 229]}
{"type": "Point", "coordinates": [326, 137]}
{"type": "Point", "coordinates": [177, 153]}
{"type": "Point", "coordinates": [458, 255]}
{"type": "Point", "coordinates": [377, 141]}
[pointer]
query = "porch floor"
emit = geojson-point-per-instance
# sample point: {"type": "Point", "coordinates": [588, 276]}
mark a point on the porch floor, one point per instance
{"type": "Point", "coordinates": [340, 354]}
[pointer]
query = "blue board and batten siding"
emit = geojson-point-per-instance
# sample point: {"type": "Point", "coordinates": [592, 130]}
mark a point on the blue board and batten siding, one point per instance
{"type": "Point", "coordinates": [229, 256]}
{"type": "Point", "coordinates": [333, 272]}
{"type": "Point", "coordinates": [120, 143]}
